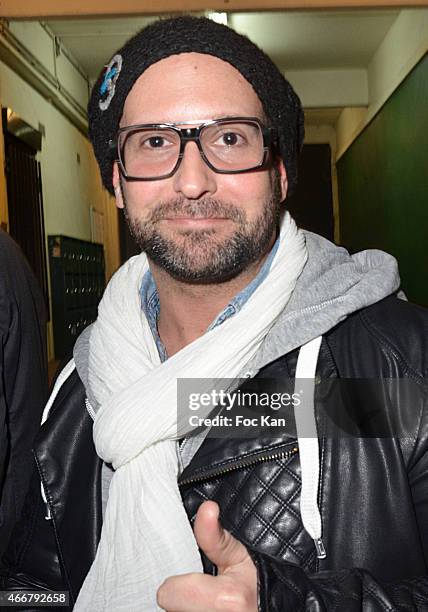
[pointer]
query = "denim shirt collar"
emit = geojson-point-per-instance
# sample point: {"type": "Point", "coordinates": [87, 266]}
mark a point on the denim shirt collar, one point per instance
{"type": "Point", "coordinates": [151, 307]}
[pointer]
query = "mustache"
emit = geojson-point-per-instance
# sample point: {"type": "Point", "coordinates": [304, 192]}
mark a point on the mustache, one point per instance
{"type": "Point", "coordinates": [205, 207]}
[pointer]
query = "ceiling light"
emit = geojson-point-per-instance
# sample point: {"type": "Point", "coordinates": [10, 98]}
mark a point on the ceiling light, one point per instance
{"type": "Point", "coordinates": [218, 17]}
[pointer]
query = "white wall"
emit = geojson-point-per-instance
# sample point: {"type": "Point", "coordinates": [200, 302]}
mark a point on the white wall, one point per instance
{"type": "Point", "coordinates": [68, 188]}
{"type": "Point", "coordinates": [40, 44]}
{"type": "Point", "coordinates": [330, 88]}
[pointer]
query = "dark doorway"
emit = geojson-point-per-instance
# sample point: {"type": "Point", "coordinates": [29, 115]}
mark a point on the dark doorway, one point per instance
{"type": "Point", "coordinates": [312, 204]}
{"type": "Point", "coordinates": [128, 246]}
{"type": "Point", "coordinates": [25, 202]}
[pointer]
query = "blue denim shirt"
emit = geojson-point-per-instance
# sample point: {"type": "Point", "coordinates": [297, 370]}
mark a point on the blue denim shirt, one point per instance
{"type": "Point", "coordinates": [150, 300]}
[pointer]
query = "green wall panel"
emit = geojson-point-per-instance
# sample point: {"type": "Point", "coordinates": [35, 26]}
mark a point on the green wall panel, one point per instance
{"type": "Point", "coordinates": [383, 184]}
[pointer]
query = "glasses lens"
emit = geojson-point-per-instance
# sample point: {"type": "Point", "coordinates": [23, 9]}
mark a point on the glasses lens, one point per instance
{"type": "Point", "coordinates": [148, 152]}
{"type": "Point", "coordinates": [236, 145]}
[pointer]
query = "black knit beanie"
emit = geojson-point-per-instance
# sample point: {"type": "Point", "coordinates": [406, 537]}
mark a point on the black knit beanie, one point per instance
{"type": "Point", "coordinates": [184, 35]}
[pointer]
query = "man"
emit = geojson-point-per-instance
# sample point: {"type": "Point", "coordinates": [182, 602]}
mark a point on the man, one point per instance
{"type": "Point", "coordinates": [23, 381]}
{"type": "Point", "coordinates": [197, 134]}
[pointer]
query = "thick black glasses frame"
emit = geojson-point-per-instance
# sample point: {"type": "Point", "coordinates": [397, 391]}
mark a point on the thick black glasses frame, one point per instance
{"type": "Point", "coordinates": [192, 134]}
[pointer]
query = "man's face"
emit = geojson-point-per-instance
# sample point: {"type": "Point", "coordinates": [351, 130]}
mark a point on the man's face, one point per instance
{"type": "Point", "coordinates": [198, 225]}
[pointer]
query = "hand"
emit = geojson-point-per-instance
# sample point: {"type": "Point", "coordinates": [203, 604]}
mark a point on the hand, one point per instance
{"type": "Point", "coordinates": [235, 587]}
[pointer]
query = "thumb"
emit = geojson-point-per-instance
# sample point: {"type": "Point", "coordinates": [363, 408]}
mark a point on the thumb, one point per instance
{"type": "Point", "coordinates": [218, 544]}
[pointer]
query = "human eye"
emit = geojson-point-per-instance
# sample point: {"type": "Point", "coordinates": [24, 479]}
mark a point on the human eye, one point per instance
{"type": "Point", "coordinates": [155, 140]}
{"type": "Point", "coordinates": [230, 137]}
{"type": "Point", "coordinates": [150, 142]}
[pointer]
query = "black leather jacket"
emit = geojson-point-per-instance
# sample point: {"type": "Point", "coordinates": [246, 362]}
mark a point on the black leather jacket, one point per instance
{"type": "Point", "coordinates": [373, 493]}
{"type": "Point", "coordinates": [23, 378]}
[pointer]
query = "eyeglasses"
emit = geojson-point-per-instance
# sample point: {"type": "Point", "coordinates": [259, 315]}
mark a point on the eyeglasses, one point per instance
{"type": "Point", "coordinates": [154, 151]}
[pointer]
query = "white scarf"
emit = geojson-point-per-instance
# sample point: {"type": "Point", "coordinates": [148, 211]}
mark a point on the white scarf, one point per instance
{"type": "Point", "coordinates": [146, 535]}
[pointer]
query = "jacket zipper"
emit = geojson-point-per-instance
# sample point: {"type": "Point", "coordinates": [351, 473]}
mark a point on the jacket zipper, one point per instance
{"type": "Point", "coordinates": [239, 465]}
{"type": "Point", "coordinates": [90, 409]}
{"type": "Point", "coordinates": [231, 468]}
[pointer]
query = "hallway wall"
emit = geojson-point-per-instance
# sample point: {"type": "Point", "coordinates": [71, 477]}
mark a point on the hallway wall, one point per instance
{"type": "Point", "coordinates": [70, 177]}
{"type": "Point", "coordinates": [383, 184]}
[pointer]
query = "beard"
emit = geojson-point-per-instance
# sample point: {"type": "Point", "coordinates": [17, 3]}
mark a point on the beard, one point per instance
{"type": "Point", "coordinates": [202, 256]}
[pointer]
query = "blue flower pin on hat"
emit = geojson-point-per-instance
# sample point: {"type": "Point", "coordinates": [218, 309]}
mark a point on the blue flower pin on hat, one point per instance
{"type": "Point", "coordinates": [108, 85]}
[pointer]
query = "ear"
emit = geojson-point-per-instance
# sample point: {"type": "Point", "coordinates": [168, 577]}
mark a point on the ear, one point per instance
{"type": "Point", "coordinates": [283, 178]}
{"type": "Point", "coordinates": [117, 187]}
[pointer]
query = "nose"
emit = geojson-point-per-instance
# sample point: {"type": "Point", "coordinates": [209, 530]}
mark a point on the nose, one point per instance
{"type": "Point", "coordinates": [194, 178]}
